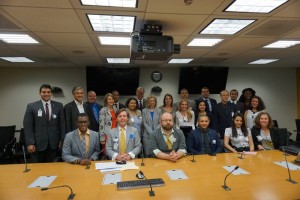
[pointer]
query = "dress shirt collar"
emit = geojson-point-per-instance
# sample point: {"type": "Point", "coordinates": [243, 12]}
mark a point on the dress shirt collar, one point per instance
{"type": "Point", "coordinates": [125, 128]}
{"type": "Point", "coordinates": [77, 103]}
{"type": "Point", "coordinates": [81, 133]}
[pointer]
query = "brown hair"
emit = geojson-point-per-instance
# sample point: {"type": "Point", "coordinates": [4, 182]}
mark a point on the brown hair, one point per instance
{"type": "Point", "coordinates": [257, 120]}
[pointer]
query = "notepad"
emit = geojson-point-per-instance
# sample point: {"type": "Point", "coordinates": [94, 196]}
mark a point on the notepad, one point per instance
{"type": "Point", "coordinates": [112, 179]}
{"type": "Point", "coordinates": [42, 181]}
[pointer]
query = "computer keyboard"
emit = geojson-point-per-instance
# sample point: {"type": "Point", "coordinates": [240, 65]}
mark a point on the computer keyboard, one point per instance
{"type": "Point", "coordinates": [126, 185]}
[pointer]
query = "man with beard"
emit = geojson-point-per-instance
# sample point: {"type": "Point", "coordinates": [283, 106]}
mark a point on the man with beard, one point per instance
{"type": "Point", "coordinates": [167, 142]}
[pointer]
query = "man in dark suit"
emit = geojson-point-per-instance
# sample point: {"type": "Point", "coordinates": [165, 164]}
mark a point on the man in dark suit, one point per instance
{"type": "Point", "coordinates": [222, 113]}
{"type": "Point", "coordinates": [92, 109]}
{"type": "Point", "coordinates": [73, 108]}
{"type": "Point", "coordinates": [116, 97]}
{"type": "Point", "coordinates": [140, 91]}
{"type": "Point", "coordinates": [44, 127]}
{"type": "Point", "coordinates": [239, 105]}
{"type": "Point", "coordinates": [209, 102]}
{"type": "Point", "coordinates": [81, 146]}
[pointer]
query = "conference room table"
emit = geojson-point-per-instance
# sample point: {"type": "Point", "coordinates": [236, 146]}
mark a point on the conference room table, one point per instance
{"type": "Point", "coordinates": [265, 181]}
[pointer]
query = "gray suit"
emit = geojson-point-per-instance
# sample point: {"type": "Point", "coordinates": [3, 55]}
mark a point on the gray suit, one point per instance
{"type": "Point", "coordinates": [71, 113]}
{"type": "Point", "coordinates": [72, 147]}
{"type": "Point", "coordinates": [133, 141]}
{"type": "Point", "coordinates": [149, 126]}
{"type": "Point", "coordinates": [38, 131]}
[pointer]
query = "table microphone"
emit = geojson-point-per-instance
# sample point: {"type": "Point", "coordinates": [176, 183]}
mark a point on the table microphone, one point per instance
{"type": "Point", "coordinates": [151, 192]}
{"type": "Point", "coordinates": [289, 179]}
{"type": "Point", "coordinates": [193, 160]}
{"type": "Point", "coordinates": [71, 196]}
{"type": "Point", "coordinates": [143, 164]}
{"type": "Point", "coordinates": [241, 156]}
{"type": "Point", "coordinates": [225, 186]}
{"type": "Point", "coordinates": [26, 169]}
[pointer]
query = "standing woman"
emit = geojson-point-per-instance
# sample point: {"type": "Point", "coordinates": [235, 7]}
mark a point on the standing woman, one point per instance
{"type": "Point", "coordinates": [257, 105]}
{"type": "Point", "coordinates": [151, 121]}
{"type": "Point", "coordinates": [239, 136]}
{"type": "Point", "coordinates": [168, 105]}
{"type": "Point", "coordinates": [135, 115]}
{"type": "Point", "coordinates": [265, 137]}
{"type": "Point", "coordinates": [202, 111]}
{"type": "Point", "coordinates": [107, 118]}
{"type": "Point", "coordinates": [185, 116]}
{"type": "Point", "coordinates": [246, 97]}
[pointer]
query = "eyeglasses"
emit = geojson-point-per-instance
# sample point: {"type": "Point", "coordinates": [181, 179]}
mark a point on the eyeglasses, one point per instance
{"type": "Point", "coordinates": [83, 122]}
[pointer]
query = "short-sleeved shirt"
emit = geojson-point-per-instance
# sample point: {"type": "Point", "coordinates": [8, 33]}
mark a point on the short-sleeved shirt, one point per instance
{"type": "Point", "coordinates": [240, 140]}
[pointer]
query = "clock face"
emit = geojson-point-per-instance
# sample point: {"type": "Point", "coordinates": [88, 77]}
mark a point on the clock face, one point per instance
{"type": "Point", "coordinates": [156, 76]}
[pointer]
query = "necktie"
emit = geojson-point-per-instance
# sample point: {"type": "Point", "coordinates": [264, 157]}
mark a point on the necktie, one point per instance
{"type": "Point", "coordinates": [206, 142]}
{"type": "Point", "coordinates": [122, 142]}
{"type": "Point", "coordinates": [96, 112]}
{"type": "Point", "coordinates": [83, 145]}
{"type": "Point", "coordinates": [47, 112]}
{"type": "Point", "coordinates": [141, 105]}
{"type": "Point", "coordinates": [169, 143]}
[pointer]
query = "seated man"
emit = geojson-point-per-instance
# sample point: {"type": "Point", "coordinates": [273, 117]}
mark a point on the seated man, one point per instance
{"type": "Point", "coordinates": [204, 140]}
{"type": "Point", "coordinates": [123, 142]}
{"type": "Point", "coordinates": [81, 146]}
{"type": "Point", "coordinates": [167, 142]}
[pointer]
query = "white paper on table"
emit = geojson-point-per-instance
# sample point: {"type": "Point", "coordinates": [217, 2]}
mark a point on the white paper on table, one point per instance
{"type": "Point", "coordinates": [112, 166]}
{"type": "Point", "coordinates": [291, 165]}
{"type": "Point", "coordinates": [42, 181]}
{"type": "Point", "coordinates": [107, 165]}
{"type": "Point", "coordinates": [250, 153]}
{"type": "Point", "coordinates": [238, 171]}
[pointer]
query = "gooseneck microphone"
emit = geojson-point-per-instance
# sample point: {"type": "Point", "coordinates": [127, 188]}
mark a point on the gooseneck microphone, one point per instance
{"type": "Point", "coordinates": [241, 156]}
{"type": "Point", "coordinates": [287, 166]}
{"type": "Point", "coordinates": [26, 169]}
{"type": "Point", "coordinates": [225, 186]}
{"type": "Point", "coordinates": [71, 196]}
{"type": "Point", "coordinates": [193, 159]}
{"type": "Point", "coordinates": [143, 164]}
{"type": "Point", "coordinates": [151, 192]}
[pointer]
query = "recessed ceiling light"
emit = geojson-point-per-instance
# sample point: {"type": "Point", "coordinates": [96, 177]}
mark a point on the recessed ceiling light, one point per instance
{"type": "Point", "coordinates": [180, 60]}
{"type": "Point", "coordinates": [205, 42]}
{"type": "Point", "coordinates": [226, 26]}
{"type": "Point", "coordinates": [16, 59]}
{"type": "Point", "coordinates": [112, 3]}
{"type": "Point", "coordinates": [105, 40]}
{"type": "Point", "coordinates": [17, 38]}
{"type": "Point", "coordinates": [255, 6]}
{"type": "Point", "coordinates": [282, 44]}
{"type": "Point", "coordinates": [112, 23]}
{"type": "Point", "coordinates": [118, 60]}
{"type": "Point", "coordinates": [263, 61]}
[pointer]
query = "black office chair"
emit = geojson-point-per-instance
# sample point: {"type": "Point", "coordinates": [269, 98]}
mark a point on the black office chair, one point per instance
{"type": "Point", "coordinates": [18, 154]}
{"type": "Point", "coordinates": [275, 123]}
{"type": "Point", "coordinates": [7, 134]}
{"type": "Point", "coordinates": [298, 130]}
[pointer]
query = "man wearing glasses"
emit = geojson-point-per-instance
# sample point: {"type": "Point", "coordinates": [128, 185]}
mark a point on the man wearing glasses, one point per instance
{"type": "Point", "coordinates": [81, 146]}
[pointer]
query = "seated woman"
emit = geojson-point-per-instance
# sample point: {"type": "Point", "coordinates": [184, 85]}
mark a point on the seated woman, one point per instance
{"type": "Point", "coordinates": [204, 140]}
{"type": "Point", "coordinates": [265, 137]}
{"type": "Point", "coordinates": [239, 136]}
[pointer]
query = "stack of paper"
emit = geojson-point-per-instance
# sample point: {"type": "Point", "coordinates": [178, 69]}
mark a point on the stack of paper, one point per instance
{"type": "Point", "coordinates": [112, 166]}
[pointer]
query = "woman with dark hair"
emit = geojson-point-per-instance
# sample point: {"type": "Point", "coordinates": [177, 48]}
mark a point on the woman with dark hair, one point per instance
{"type": "Point", "coordinates": [135, 115]}
{"type": "Point", "coordinates": [265, 137]}
{"type": "Point", "coordinates": [238, 135]}
{"type": "Point", "coordinates": [257, 105]}
{"type": "Point", "coordinates": [168, 105]}
{"type": "Point", "coordinates": [246, 97]}
{"type": "Point", "coordinates": [202, 111]}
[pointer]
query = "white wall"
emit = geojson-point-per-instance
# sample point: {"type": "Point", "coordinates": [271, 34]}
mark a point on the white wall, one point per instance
{"type": "Point", "coordinates": [19, 86]}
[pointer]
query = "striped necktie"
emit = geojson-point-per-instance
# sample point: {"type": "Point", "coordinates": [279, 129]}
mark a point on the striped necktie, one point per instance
{"type": "Point", "coordinates": [83, 145]}
{"type": "Point", "coordinates": [168, 142]}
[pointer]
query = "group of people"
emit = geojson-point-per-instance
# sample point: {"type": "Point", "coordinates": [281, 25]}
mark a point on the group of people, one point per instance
{"type": "Point", "coordinates": [87, 131]}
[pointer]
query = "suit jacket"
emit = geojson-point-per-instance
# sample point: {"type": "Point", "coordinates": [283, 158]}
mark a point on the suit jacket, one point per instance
{"type": "Point", "coordinates": [94, 125]}
{"type": "Point", "coordinates": [119, 106]}
{"type": "Point", "coordinates": [149, 124]}
{"type": "Point", "coordinates": [240, 107]}
{"type": "Point", "coordinates": [222, 117]}
{"type": "Point", "coordinates": [105, 122]}
{"type": "Point", "coordinates": [71, 113]}
{"type": "Point", "coordinates": [255, 131]}
{"type": "Point", "coordinates": [213, 102]}
{"type": "Point", "coordinates": [144, 103]}
{"type": "Point", "coordinates": [38, 131]}
{"type": "Point", "coordinates": [195, 141]}
{"type": "Point", "coordinates": [72, 147]}
{"type": "Point", "coordinates": [133, 142]}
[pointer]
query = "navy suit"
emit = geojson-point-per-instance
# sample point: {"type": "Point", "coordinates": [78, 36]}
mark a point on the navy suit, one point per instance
{"type": "Point", "coordinates": [222, 117]}
{"type": "Point", "coordinates": [213, 102]}
{"type": "Point", "coordinates": [94, 124]}
{"type": "Point", "coordinates": [195, 142]}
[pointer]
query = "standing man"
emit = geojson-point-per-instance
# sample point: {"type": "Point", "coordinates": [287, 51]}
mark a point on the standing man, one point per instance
{"type": "Point", "coordinates": [222, 113]}
{"type": "Point", "coordinates": [44, 127]}
{"type": "Point", "coordinates": [92, 109]}
{"type": "Point", "coordinates": [167, 142]}
{"type": "Point", "coordinates": [140, 91]}
{"type": "Point", "coordinates": [124, 141]}
{"type": "Point", "coordinates": [116, 97]}
{"type": "Point", "coordinates": [73, 108]}
{"type": "Point", "coordinates": [239, 105]}
{"type": "Point", "coordinates": [209, 102]}
{"type": "Point", "coordinates": [184, 95]}
{"type": "Point", "coordinates": [81, 146]}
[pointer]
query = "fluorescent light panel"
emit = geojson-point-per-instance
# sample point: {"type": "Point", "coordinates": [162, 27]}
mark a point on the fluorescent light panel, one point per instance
{"type": "Point", "coordinates": [118, 60]}
{"type": "Point", "coordinates": [205, 42]}
{"type": "Point", "coordinates": [111, 3]}
{"type": "Point", "coordinates": [16, 59]}
{"type": "Point", "coordinates": [17, 38]}
{"type": "Point", "coordinates": [226, 26]}
{"type": "Point", "coordinates": [180, 60]}
{"type": "Point", "coordinates": [255, 6]}
{"type": "Point", "coordinates": [105, 40]}
{"type": "Point", "coordinates": [112, 23]}
{"type": "Point", "coordinates": [263, 61]}
{"type": "Point", "coordinates": [282, 44]}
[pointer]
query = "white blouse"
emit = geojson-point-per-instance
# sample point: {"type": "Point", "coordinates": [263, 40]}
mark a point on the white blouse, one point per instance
{"type": "Point", "coordinates": [183, 120]}
{"type": "Point", "coordinates": [240, 140]}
